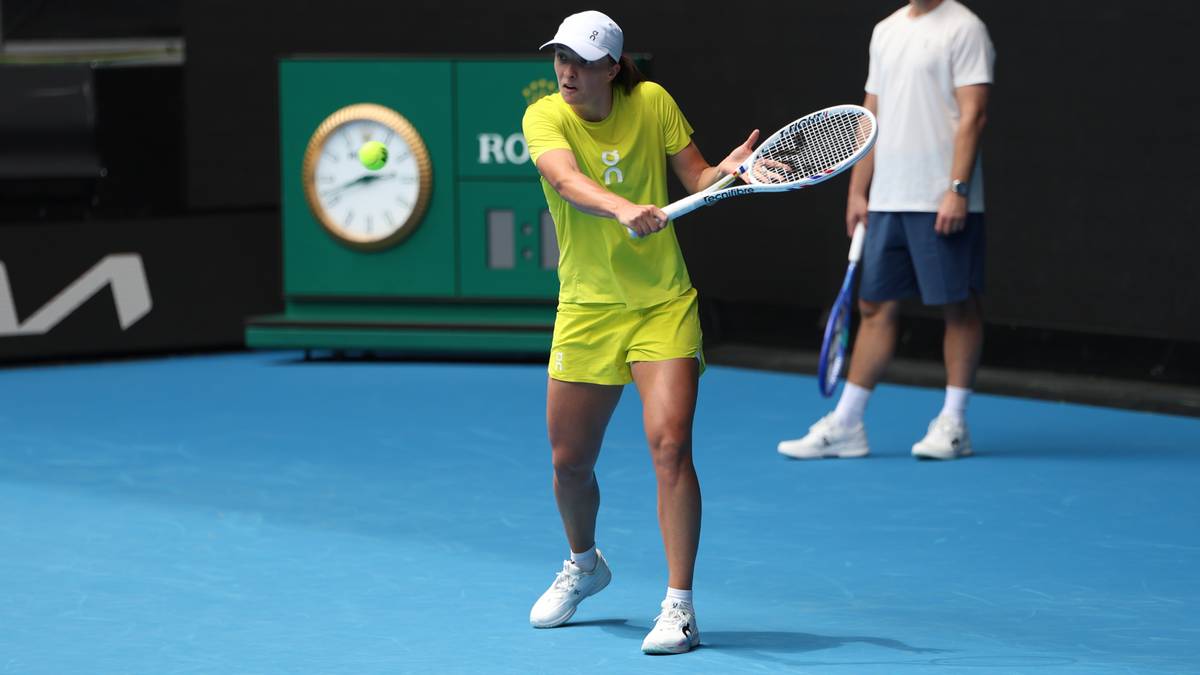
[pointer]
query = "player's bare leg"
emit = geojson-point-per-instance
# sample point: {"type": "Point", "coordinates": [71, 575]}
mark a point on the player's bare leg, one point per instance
{"type": "Point", "coordinates": [668, 390]}
{"type": "Point", "coordinates": [577, 415]}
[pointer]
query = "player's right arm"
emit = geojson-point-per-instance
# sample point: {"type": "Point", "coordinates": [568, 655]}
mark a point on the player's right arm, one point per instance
{"type": "Point", "coordinates": [560, 170]}
{"type": "Point", "coordinates": [860, 179]}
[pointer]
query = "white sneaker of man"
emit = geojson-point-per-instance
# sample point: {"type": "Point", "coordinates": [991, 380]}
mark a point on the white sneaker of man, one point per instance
{"type": "Point", "coordinates": [675, 630]}
{"type": "Point", "coordinates": [570, 587]}
{"type": "Point", "coordinates": [828, 438]}
{"type": "Point", "coordinates": [947, 439]}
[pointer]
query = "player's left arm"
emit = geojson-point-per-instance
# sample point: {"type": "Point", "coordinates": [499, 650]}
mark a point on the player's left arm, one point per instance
{"type": "Point", "coordinates": [972, 107]}
{"type": "Point", "coordinates": [696, 173]}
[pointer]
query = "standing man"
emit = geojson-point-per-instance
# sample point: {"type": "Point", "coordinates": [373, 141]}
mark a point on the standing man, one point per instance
{"type": "Point", "coordinates": [920, 194]}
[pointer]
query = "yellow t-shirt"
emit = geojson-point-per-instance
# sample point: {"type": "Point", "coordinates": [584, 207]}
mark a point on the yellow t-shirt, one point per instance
{"type": "Point", "coordinates": [626, 153]}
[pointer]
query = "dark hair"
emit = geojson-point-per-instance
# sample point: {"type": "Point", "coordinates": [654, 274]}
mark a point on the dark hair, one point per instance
{"type": "Point", "coordinates": [629, 76]}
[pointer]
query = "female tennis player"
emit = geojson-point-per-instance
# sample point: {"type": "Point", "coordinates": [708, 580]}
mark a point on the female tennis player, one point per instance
{"type": "Point", "coordinates": [627, 309]}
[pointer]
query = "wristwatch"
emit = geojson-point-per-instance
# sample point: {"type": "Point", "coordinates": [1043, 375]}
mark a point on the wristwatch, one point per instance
{"type": "Point", "coordinates": [960, 187]}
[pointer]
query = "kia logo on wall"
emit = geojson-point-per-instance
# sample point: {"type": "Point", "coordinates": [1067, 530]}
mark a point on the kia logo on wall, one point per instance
{"type": "Point", "coordinates": [122, 272]}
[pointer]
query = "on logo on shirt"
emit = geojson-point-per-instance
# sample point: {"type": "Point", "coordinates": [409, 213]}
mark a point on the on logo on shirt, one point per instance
{"type": "Point", "coordinates": [610, 159]}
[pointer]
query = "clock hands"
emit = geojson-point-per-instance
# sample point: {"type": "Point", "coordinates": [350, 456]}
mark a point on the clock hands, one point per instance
{"type": "Point", "coordinates": [364, 179]}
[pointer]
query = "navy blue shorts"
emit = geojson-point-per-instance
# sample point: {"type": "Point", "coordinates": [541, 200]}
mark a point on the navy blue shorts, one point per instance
{"type": "Point", "coordinates": [903, 257]}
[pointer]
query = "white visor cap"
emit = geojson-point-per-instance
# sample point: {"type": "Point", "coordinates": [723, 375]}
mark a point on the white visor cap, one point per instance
{"type": "Point", "coordinates": [591, 35]}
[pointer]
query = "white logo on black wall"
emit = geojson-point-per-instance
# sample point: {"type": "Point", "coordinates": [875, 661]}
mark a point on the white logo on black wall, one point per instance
{"type": "Point", "coordinates": [122, 272]}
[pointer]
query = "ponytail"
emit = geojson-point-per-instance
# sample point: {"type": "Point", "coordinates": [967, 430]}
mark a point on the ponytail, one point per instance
{"type": "Point", "coordinates": [629, 76]}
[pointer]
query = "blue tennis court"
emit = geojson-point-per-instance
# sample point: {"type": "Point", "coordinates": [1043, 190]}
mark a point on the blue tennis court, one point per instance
{"type": "Point", "coordinates": [255, 513]}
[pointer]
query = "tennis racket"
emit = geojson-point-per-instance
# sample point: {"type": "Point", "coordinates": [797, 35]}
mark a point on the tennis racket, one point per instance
{"type": "Point", "coordinates": [837, 329]}
{"type": "Point", "coordinates": [810, 150]}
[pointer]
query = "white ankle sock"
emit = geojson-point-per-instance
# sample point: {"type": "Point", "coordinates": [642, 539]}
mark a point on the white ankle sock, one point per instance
{"type": "Point", "coordinates": [677, 595]}
{"type": "Point", "coordinates": [852, 405]}
{"type": "Point", "coordinates": [585, 561]}
{"type": "Point", "coordinates": [956, 402]}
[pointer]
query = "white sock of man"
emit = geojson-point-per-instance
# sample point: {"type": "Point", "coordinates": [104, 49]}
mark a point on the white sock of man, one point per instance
{"type": "Point", "coordinates": [852, 405]}
{"type": "Point", "coordinates": [956, 402]}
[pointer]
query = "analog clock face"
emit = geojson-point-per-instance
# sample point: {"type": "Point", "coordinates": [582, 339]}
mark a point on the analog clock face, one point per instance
{"type": "Point", "coordinates": [358, 206]}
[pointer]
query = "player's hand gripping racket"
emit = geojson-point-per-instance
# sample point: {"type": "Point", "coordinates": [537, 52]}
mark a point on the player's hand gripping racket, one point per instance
{"type": "Point", "coordinates": [837, 329]}
{"type": "Point", "coordinates": [810, 150]}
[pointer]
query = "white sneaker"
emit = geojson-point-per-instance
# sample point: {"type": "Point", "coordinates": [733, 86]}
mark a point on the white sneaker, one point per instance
{"type": "Point", "coordinates": [570, 587]}
{"type": "Point", "coordinates": [675, 630]}
{"type": "Point", "coordinates": [947, 439]}
{"type": "Point", "coordinates": [827, 438]}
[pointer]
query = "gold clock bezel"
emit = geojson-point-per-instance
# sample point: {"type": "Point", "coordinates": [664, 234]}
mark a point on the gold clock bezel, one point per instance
{"type": "Point", "coordinates": [406, 131]}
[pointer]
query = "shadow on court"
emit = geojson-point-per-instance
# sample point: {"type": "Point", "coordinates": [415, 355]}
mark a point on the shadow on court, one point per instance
{"type": "Point", "coordinates": [768, 641]}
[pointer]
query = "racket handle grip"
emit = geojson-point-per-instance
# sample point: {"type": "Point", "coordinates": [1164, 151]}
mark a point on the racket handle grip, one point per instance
{"type": "Point", "coordinates": [697, 199]}
{"type": "Point", "coordinates": [684, 206]}
{"type": "Point", "coordinates": [680, 208]}
{"type": "Point", "coordinates": [694, 201]}
{"type": "Point", "coordinates": [856, 243]}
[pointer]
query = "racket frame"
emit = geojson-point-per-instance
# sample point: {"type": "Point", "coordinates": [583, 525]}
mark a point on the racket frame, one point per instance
{"type": "Point", "coordinates": [721, 189]}
{"type": "Point", "coordinates": [837, 328]}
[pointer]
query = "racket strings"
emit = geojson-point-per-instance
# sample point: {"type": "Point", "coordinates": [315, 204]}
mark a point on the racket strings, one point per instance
{"type": "Point", "coordinates": [837, 342]}
{"type": "Point", "coordinates": [810, 147]}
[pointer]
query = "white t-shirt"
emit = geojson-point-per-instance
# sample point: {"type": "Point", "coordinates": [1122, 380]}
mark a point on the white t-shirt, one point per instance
{"type": "Point", "coordinates": [916, 64]}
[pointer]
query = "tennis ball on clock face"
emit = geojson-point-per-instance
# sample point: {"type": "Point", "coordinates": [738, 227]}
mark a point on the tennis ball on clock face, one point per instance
{"type": "Point", "coordinates": [373, 155]}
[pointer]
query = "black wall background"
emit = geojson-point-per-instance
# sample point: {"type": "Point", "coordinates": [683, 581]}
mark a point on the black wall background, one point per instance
{"type": "Point", "coordinates": [1091, 180]}
{"type": "Point", "coordinates": [88, 19]}
{"type": "Point", "coordinates": [205, 275]}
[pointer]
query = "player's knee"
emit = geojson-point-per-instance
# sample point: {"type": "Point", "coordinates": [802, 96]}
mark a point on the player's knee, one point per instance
{"type": "Point", "coordinates": [571, 468]}
{"type": "Point", "coordinates": [672, 454]}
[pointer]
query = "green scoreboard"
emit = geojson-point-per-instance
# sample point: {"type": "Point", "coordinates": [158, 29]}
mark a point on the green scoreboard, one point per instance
{"type": "Point", "coordinates": [448, 247]}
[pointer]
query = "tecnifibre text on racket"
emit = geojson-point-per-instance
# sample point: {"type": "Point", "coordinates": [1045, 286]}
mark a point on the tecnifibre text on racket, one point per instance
{"type": "Point", "coordinates": [810, 150]}
{"type": "Point", "coordinates": [837, 329]}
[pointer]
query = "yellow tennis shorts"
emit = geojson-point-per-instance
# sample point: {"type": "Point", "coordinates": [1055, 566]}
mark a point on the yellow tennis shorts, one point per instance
{"type": "Point", "coordinates": [597, 343]}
